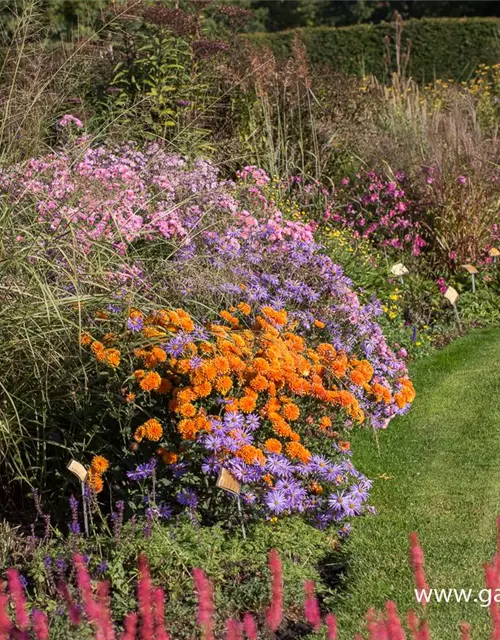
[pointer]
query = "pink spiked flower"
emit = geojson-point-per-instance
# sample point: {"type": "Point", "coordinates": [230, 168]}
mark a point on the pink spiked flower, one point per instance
{"type": "Point", "coordinates": [417, 561]}
{"type": "Point", "coordinates": [250, 626]}
{"type": "Point", "coordinates": [275, 610]}
{"type": "Point", "coordinates": [465, 631]}
{"type": "Point", "coordinates": [331, 626]}
{"type": "Point", "coordinates": [159, 614]}
{"type": "Point", "coordinates": [206, 607]}
{"type": "Point", "coordinates": [233, 630]}
{"type": "Point", "coordinates": [5, 623]}
{"type": "Point", "coordinates": [18, 598]}
{"type": "Point", "coordinates": [40, 625]}
{"type": "Point", "coordinates": [144, 599]}
{"type": "Point", "coordinates": [311, 606]}
{"type": "Point", "coordinates": [394, 626]}
{"type": "Point", "coordinates": [130, 626]}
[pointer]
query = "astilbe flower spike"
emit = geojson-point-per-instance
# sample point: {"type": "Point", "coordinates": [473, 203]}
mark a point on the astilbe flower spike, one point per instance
{"type": "Point", "coordinates": [331, 626]}
{"type": "Point", "coordinates": [73, 610]}
{"type": "Point", "coordinates": [18, 599]}
{"type": "Point", "coordinates": [92, 609]}
{"type": "Point", "coordinates": [206, 607]}
{"type": "Point", "coordinates": [250, 626]}
{"type": "Point", "coordinates": [105, 619]}
{"type": "Point", "coordinates": [275, 611]}
{"type": "Point", "coordinates": [233, 630]}
{"type": "Point", "coordinates": [5, 623]}
{"type": "Point", "coordinates": [311, 606]}
{"type": "Point", "coordinates": [159, 614]}
{"type": "Point", "coordinates": [417, 561]}
{"type": "Point", "coordinates": [394, 626]}
{"type": "Point", "coordinates": [130, 626]}
{"type": "Point", "coordinates": [145, 600]}
{"type": "Point", "coordinates": [465, 631]}
{"type": "Point", "coordinates": [40, 625]}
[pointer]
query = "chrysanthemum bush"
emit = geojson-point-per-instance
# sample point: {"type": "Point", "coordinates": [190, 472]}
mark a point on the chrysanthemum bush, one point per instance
{"type": "Point", "coordinates": [249, 395]}
{"type": "Point", "coordinates": [86, 609]}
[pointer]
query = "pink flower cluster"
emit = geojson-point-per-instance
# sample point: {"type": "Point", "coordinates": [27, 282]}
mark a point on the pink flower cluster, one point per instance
{"type": "Point", "coordinates": [374, 207]}
{"type": "Point", "coordinates": [123, 195]}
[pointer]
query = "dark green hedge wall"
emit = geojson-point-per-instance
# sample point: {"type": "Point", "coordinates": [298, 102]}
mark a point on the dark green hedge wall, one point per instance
{"type": "Point", "coordinates": [440, 47]}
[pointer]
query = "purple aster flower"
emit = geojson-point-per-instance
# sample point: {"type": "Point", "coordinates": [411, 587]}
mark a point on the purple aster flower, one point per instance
{"type": "Point", "coordinates": [352, 506]}
{"type": "Point", "coordinates": [135, 324]}
{"type": "Point", "coordinates": [188, 498]}
{"type": "Point", "coordinates": [210, 465]}
{"type": "Point", "coordinates": [279, 465]}
{"type": "Point", "coordinates": [252, 421]}
{"type": "Point", "coordinates": [337, 501]}
{"type": "Point", "coordinates": [345, 530]}
{"type": "Point", "coordinates": [196, 362]}
{"type": "Point", "coordinates": [234, 420]}
{"type": "Point", "coordinates": [276, 501]}
{"type": "Point", "coordinates": [143, 471]}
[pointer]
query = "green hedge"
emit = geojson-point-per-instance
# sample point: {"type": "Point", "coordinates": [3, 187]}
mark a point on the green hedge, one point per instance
{"type": "Point", "coordinates": [440, 47]}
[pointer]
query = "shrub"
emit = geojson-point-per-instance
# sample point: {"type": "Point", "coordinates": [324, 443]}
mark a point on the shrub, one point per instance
{"type": "Point", "coordinates": [440, 47]}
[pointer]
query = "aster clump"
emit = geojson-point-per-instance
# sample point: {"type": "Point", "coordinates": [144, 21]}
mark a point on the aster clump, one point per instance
{"type": "Point", "coordinates": [249, 394]}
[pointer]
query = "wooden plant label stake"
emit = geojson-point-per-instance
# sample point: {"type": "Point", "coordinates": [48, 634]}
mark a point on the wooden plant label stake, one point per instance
{"type": "Point", "coordinates": [81, 473]}
{"type": "Point", "coordinates": [399, 270]}
{"type": "Point", "coordinates": [470, 268]}
{"type": "Point", "coordinates": [452, 296]}
{"type": "Point", "coordinates": [227, 482]}
{"type": "Point", "coordinates": [78, 470]}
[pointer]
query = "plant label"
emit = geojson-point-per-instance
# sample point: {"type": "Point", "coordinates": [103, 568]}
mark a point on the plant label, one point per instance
{"type": "Point", "coordinates": [399, 269]}
{"type": "Point", "coordinates": [451, 294]}
{"type": "Point", "coordinates": [470, 268]}
{"type": "Point", "coordinates": [78, 470]}
{"type": "Point", "coordinates": [227, 482]}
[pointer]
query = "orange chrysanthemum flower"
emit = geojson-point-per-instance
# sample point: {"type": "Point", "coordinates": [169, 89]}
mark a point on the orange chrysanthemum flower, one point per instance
{"type": "Point", "coordinates": [297, 451]}
{"type": "Point", "coordinates": [244, 308]}
{"type": "Point", "coordinates": [187, 410]}
{"type": "Point", "coordinates": [319, 324]}
{"type": "Point", "coordinates": [151, 381]}
{"type": "Point", "coordinates": [99, 464]}
{"type": "Point", "coordinates": [223, 384]}
{"type": "Point", "coordinates": [203, 390]}
{"type": "Point", "coordinates": [165, 386]}
{"type": "Point", "coordinates": [85, 339]}
{"type": "Point", "coordinates": [325, 422]}
{"type": "Point", "coordinates": [272, 445]}
{"type": "Point", "coordinates": [152, 430]}
{"type": "Point", "coordinates": [357, 377]}
{"type": "Point", "coordinates": [95, 482]}
{"type": "Point", "coordinates": [232, 320]}
{"type": "Point", "coordinates": [259, 383]}
{"type": "Point", "coordinates": [139, 434]}
{"type": "Point", "coordinates": [168, 457]}
{"type": "Point", "coordinates": [112, 357]}
{"type": "Point", "coordinates": [187, 429]}
{"type": "Point", "coordinates": [290, 411]}
{"type": "Point", "coordinates": [247, 404]}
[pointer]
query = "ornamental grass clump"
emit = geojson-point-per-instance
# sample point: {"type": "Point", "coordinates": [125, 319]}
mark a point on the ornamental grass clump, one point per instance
{"type": "Point", "coordinates": [248, 394]}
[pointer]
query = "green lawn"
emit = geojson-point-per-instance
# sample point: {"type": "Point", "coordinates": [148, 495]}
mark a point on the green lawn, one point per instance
{"type": "Point", "coordinates": [437, 473]}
